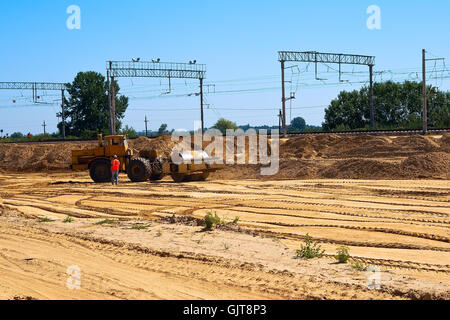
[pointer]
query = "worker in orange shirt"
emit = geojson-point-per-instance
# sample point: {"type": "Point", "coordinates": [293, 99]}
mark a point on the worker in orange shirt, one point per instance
{"type": "Point", "coordinates": [115, 163]}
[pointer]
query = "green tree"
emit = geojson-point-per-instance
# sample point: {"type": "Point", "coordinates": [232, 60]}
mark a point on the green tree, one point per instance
{"type": "Point", "coordinates": [87, 109]}
{"type": "Point", "coordinates": [347, 109]}
{"type": "Point", "coordinates": [438, 109]}
{"type": "Point", "coordinates": [129, 131]}
{"type": "Point", "coordinates": [223, 124]}
{"type": "Point", "coordinates": [298, 124]}
{"type": "Point", "coordinates": [397, 105]}
{"type": "Point", "coordinates": [17, 135]}
{"type": "Point", "coordinates": [163, 129]}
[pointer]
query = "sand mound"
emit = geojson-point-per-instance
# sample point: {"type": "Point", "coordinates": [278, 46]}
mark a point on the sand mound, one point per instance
{"type": "Point", "coordinates": [360, 168]}
{"type": "Point", "coordinates": [305, 157]}
{"type": "Point", "coordinates": [445, 142]}
{"type": "Point", "coordinates": [39, 156]}
{"type": "Point", "coordinates": [163, 145]}
{"type": "Point", "coordinates": [307, 147]}
{"type": "Point", "coordinates": [366, 146]}
{"type": "Point", "coordinates": [57, 156]}
{"type": "Point", "coordinates": [431, 165]}
{"type": "Point", "coordinates": [421, 166]}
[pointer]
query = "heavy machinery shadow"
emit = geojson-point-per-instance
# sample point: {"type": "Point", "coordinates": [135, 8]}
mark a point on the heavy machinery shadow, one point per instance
{"type": "Point", "coordinates": [89, 182]}
{"type": "Point", "coordinates": [71, 182]}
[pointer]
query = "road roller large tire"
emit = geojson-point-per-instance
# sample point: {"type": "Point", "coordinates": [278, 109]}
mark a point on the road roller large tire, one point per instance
{"type": "Point", "coordinates": [139, 170]}
{"type": "Point", "coordinates": [178, 177]}
{"type": "Point", "coordinates": [157, 171]}
{"type": "Point", "coordinates": [197, 176]}
{"type": "Point", "coordinates": [156, 177]}
{"type": "Point", "coordinates": [100, 171]}
{"type": "Point", "coordinates": [204, 176]}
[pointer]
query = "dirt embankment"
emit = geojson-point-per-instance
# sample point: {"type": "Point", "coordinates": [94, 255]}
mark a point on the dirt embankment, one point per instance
{"type": "Point", "coordinates": [307, 157]}
{"type": "Point", "coordinates": [36, 157]}
{"type": "Point", "coordinates": [357, 157]}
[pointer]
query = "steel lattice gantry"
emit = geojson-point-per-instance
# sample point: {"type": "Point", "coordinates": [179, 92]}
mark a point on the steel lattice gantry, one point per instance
{"type": "Point", "coordinates": [156, 70]}
{"type": "Point", "coordinates": [144, 69]}
{"type": "Point", "coordinates": [34, 86]}
{"type": "Point", "coordinates": [321, 57]}
{"type": "Point", "coordinates": [313, 56]}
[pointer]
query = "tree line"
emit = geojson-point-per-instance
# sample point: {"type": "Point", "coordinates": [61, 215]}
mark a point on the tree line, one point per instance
{"type": "Point", "coordinates": [397, 105]}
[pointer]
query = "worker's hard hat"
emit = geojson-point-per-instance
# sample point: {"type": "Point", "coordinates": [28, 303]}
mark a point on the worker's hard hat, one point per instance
{"type": "Point", "coordinates": [115, 156]}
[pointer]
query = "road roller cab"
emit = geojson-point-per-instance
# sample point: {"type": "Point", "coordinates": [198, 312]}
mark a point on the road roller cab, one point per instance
{"type": "Point", "coordinates": [98, 160]}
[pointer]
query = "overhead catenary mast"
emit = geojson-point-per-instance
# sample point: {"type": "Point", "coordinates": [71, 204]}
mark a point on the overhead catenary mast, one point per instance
{"type": "Point", "coordinates": [320, 57]}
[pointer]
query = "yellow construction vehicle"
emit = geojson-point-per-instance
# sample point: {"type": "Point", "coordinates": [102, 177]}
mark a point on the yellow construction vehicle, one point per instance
{"type": "Point", "coordinates": [148, 166]}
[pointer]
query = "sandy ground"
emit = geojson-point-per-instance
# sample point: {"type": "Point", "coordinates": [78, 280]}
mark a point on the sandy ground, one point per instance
{"type": "Point", "coordinates": [155, 246]}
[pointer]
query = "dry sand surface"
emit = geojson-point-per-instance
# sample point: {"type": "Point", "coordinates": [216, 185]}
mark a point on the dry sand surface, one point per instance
{"type": "Point", "coordinates": [401, 226]}
{"type": "Point", "coordinates": [386, 198]}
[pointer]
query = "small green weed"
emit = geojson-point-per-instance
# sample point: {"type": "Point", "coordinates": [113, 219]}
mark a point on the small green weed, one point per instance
{"type": "Point", "coordinates": [138, 227]}
{"type": "Point", "coordinates": [68, 219]}
{"type": "Point", "coordinates": [310, 249]}
{"type": "Point", "coordinates": [342, 254]}
{"type": "Point", "coordinates": [211, 220]}
{"type": "Point", "coordinates": [359, 266]}
{"type": "Point", "coordinates": [105, 221]}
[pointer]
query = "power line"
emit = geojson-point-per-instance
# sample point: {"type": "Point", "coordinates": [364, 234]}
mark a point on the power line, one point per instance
{"type": "Point", "coordinates": [174, 109]}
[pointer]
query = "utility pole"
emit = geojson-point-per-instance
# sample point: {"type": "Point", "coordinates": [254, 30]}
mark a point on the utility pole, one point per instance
{"type": "Point", "coordinates": [372, 108]}
{"type": "Point", "coordinates": [44, 125]}
{"type": "Point", "coordinates": [283, 99]}
{"type": "Point", "coordinates": [424, 93]}
{"type": "Point", "coordinates": [111, 117]}
{"type": "Point", "coordinates": [113, 107]}
{"type": "Point", "coordinates": [146, 121]}
{"type": "Point", "coordinates": [424, 89]}
{"type": "Point", "coordinates": [201, 104]}
{"type": "Point", "coordinates": [279, 121]}
{"type": "Point", "coordinates": [63, 116]}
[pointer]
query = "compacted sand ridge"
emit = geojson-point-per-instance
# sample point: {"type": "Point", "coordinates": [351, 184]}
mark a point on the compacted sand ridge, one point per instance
{"type": "Point", "coordinates": [151, 243]}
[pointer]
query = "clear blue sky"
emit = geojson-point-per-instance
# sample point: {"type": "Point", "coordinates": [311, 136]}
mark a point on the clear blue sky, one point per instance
{"type": "Point", "coordinates": [237, 40]}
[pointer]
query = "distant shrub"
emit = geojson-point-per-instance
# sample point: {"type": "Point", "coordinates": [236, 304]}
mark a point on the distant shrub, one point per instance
{"type": "Point", "coordinates": [129, 131]}
{"type": "Point", "coordinates": [310, 249]}
{"type": "Point", "coordinates": [211, 220]}
{"type": "Point", "coordinates": [17, 135]}
{"type": "Point", "coordinates": [105, 221]}
{"type": "Point", "coordinates": [139, 227]}
{"type": "Point", "coordinates": [88, 134]}
{"type": "Point", "coordinates": [68, 219]}
{"type": "Point", "coordinates": [359, 266]}
{"type": "Point", "coordinates": [342, 254]}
